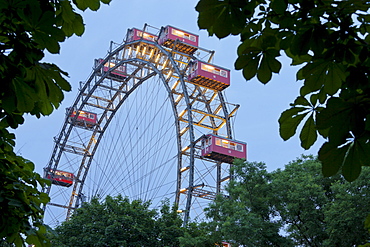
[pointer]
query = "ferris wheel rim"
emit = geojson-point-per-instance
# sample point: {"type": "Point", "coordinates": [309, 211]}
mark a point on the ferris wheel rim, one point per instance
{"type": "Point", "coordinates": [160, 74]}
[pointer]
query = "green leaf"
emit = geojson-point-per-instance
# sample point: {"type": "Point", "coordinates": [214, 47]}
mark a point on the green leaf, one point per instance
{"type": "Point", "coordinates": [279, 6]}
{"type": "Point", "coordinates": [249, 57]}
{"type": "Point", "coordinates": [338, 117]}
{"type": "Point", "coordinates": [367, 122]}
{"type": "Point", "coordinates": [206, 21]}
{"type": "Point", "coordinates": [324, 132]}
{"type": "Point", "coordinates": [75, 27]}
{"type": "Point", "coordinates": [44, 198]}
{"type": "Point", "coordinates": [308, 134]}
{"type": "Point", "coordinates": [33, 239]}
{"type": "Point", "coordinates": [268, 65]}
{"type": "Point", "coordinates": [84, 4]}
{"type": "Point", "coordinates": [289, 121]}
{"type": "Point", "coordinates": [249, 46]}
{"type": "Point", "coordinates": [66, 11]}
{"type": "Point", "coordinates": [322, 74]}
{"type": "Point", "coordinates": [237, 21]}
{"type": "Point", "coordinates": [242, 61]}
{"type": "Point", "coordinates": [273, 63]}
{"type": "Point", "coordinates": [322, 97]}
{"type": "Point", "coordinates": [50, 44]}
{"type": "Point", "coordinates": [335, 75]}
{"type": "Point", "coordinates": [78, 25]}
{"type": "Point", "coordinates": [367, 222]}
{"type": "Point", "coordinates": [301, 101]}
{"type": "Point", "coordinates": [56, 73]}
{"type": "Point", "coordinates": [301, 43]}
{"type": "Point", "coordinates": [314, 75]}
{"type": "Point", "coordinates": [25, 96]}
{"type": "Point", "coordinates": [9, 103]}
{"type": "Point", "coordinates": [250, 70]}
{"type": "Point", "coordinates": [18, 241]}
{"type": "Point", "coordinates": [297, 60]}
{"type": "Point", "coordinates": [55, 94]}
{"type": "Point", "coordinates": [314, 98]}
{"type": "Point", "coordinates": [220, 18]}
{"type": "Point", "coordinates": [250, 63]}
{"type": "Point", "coordinates": [223, 24]}
{"type": "Point", "coordinates": [319, 35]}
{"type": "Point", "coordinates": [351, 157]}
{"type": "Point", "coordinates": [269, 41]}
{"type": "Point", "coordinates": [70, 22]}
{"type": "Point", "coordinates": [331, 158]}
{"type": "Point", "coordinates": [352, 161]}
{"type": "Point", "coordinates": [209, 10]}
{"type": "Point", "coordinates": [15, 203]}
{"type": "Point", "coordinates": [204, 5]}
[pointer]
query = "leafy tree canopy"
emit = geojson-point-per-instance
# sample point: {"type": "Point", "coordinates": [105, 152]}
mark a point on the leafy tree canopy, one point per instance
{"type": "Point", "coordinates": [120, 222]}
{"type": "Point", "coordinates": [321, 211]}
{"type": "Point", "coordinates": [27, 29]}
{"type": "Point", "coordinates": [246, 217]}
{"type": "Point", "coordinates": [200, 235]}
{"type": "Point", "coordinates": [329, 40]}
{"type": "Point", "coordinates": [310, 209]}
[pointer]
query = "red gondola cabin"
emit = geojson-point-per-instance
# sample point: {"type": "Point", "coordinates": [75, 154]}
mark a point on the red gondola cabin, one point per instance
{"type": "Point", "coordinates": [169, 35]}
{"type": "Point", "coordinates": [60, 178]}
{"type": "Point", "coordinates": [209, 75]}
{"type": "Point", "coordinates": [136, 34]}
{"type": "Point", "coordinates": [222, 149]}
{"type": "Point", "coordinates": [118, 73]}
{"type": "Point", "coordinates": [84, 118]}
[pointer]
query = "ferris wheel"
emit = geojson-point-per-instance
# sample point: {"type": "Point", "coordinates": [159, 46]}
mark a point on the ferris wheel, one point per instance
{"type": "Point", "coordinates": [150, 123]}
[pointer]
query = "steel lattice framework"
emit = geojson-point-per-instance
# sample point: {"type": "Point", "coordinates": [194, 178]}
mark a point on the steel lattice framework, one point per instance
{"type": "Point", "coordinates": [193, 107]}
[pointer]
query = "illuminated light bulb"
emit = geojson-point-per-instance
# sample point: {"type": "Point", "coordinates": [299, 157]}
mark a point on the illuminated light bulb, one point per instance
{"type": "Point", "coordinates": [183, 130]}
{"type": "Point", "coordinates": [165, 63]}
{"type": "Point", "coordinates": [182, 113]}
{"type": "Point", "coordinates": [144, 50]}
{"type": "Point", "coordinates": [183, 190]}
{"type": "Point", "coordinates": [185, 168]}
{"type": "Point", "coordinates": [151, 53]}
{"type": "Point", "coordinates": [179, 97]}
{"type": "Point", "coordinates": [169, 74]}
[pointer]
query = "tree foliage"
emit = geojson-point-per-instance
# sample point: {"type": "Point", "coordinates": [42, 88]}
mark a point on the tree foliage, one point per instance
{"type": "Point", "coordinates": [320, 211]}
{"type": "Point", "coordinates": [200, 235]}
{"type": "Point", "coordinates": [329, 40]}
{"type": "Point", "coordinates": [120, 222]}
{"type": "Point", "coordinates": [169, 225]}
{"type": "Point", "coordinates": [246, 217]}
{"type": "Point", "coordinates": [28, 28]}
{"type": "Point", "coordinates": [20, 200]}
{"type": "Point", "coordinates": [310, 209]}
